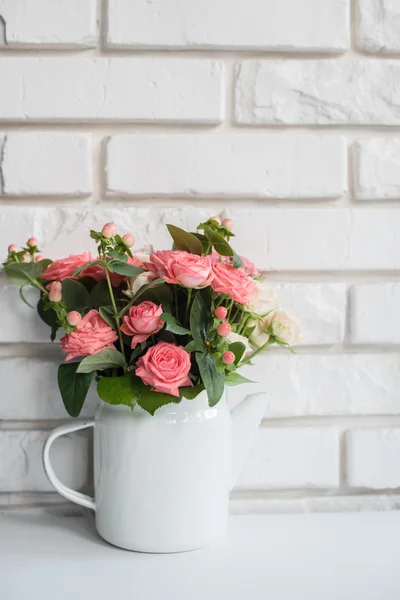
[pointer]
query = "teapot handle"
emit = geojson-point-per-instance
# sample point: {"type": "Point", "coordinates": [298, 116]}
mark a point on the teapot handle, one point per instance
{"type": "Point", "coordinates": [62, 489]}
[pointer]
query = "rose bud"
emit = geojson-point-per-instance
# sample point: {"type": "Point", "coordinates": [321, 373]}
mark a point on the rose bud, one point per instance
{"type": "Point", "coordinates": [216, 218]}
{"type": "Point", "coordinates": [228, 224]}
{"type": "Point", "coordinates": [74, 318]}
{"type": "Point", "coordinates": [220, 312]}
{"type": "Point", "coordinates": [54, 285]}
{"type": "Point", "coordinates": [26, 257]}
{"type": "Point", "coordinates": [38, 257]}
{"type": "Point", "coordinates": [32, 242]}
{"type": "Point", "coordinates": [224, 329]}
{"type": "Point", "coordinates": [12, 248]}
{"type": "Point", "coordinates": [128, 239]}
{"type": "Point", "coordinates": [109, 230]}
{"type": "Point", "coordinates": [228, 357]}
{"type": "Point", "coordinates": [55, 295]}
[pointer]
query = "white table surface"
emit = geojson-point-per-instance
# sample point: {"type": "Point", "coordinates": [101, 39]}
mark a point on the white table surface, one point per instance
{"type": "Point", "coordinates": [342, 556]}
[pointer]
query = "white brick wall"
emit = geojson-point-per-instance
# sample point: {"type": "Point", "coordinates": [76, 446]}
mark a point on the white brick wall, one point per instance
{"type": "Point", "coordinates": [147, 113]}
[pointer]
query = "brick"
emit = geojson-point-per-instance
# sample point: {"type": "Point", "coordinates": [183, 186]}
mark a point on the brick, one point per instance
{"type": "Point", "coordinates": [18, 322]}
{"type": "Point", "coordinates": [323, 92]}
{"type": "Point", "coordinates": [124, 89]}
{"type": "Point", "coordinates": [377, 169]}
{"type": "Point", "coordinates": [281, 240]}
{"type": "Point", "coordinates": [30, 390]}
{"type": "Point", "coordinates": [254, 24]}
{"type": "Point", "coordinates": [375, 313]}
{"type": "Point", "coordinates": [373, 458]}
{"type": "Point", "coordinates": [48, 23]}
{"type": "Point", "coordinates": [21, 467]}
{"type": "Point", "coordinates": [293, 457]}
{"type": "Point", "coordinates": [47, 164]}
{"type": "Point", "coordinates": [320, 308]}
{"type": "Point", "coordinates": [268, 166]}
{"type": "Point", "coordinates": [305, 385]}
{"type": "Point", "coordinates": [378, 25]}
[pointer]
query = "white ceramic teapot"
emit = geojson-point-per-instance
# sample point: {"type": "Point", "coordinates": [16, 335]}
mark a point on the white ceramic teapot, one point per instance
{"type": "Point", "coordinates": [162, 482]}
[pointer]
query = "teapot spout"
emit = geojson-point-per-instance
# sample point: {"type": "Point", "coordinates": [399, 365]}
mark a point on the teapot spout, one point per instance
{"type": "Point", "coordinates": [246, 418]}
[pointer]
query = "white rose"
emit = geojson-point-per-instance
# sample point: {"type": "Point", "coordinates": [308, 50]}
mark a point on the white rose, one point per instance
{"type": "Point", "coordinates": [235, 337]}
{"type": "Point", "coordinates": [135, 283]}
{"type": "Point", "coordinates": [263, 299]}
{"type": "Point", "coordinates": [285, 327]}
{"type": "Point", "coordinates": [259, 336]}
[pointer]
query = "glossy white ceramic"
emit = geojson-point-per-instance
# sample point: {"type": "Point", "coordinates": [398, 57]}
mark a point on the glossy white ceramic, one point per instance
{"type": "Point", "coordinates": [162, 483]}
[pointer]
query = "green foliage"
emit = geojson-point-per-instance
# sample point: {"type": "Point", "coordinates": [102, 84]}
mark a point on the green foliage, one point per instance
{"type": "Point", "coordinates": [73, 387]}
{"type": "Point", "coordinates": [24, 300]}
{"type": "Point", "coordinates": [117, 255]}
{"type": "Point", "coordinates": [141, 292]}
{"type": "Point", "coordinates": [75, 296]}
{"type": "Point", "coordinates": [25, 273]}
{"type": "Point", "coordinates": [238, 349]}
{"type": "Point", "coordinates": [234, 378]}
{"type": "Point", "coordinates": [173, 325]}
{"type": "Point", "coordinates": [106, 359]}
{"type": "Point", "coordinates": [151, 401]}
{"type": "Point", "coordinates": [49, 317]}
{"type": "Point", "coordinates": [123, 268]}
{"type": "Point", "coordinates": [220, 244]}
{"type": "Point", "coordinates": [107, 314]}
{"type": "Point", "coordinates": [195, 346]}
{"type": "Point", "coordinates": [93, 263]}
{"type": "Point", "coordinates": [118, 390]}
{"type": "Point", "coordinates": [212, 380]}
{"type": "Point", "coordinates": [100, 294]}
{"type": "Point", "coordinates": [183, 240]}
{"type": "Point", "coordinates": [200, 316]}
{"type": "Point", "coordinates": [190, 393]}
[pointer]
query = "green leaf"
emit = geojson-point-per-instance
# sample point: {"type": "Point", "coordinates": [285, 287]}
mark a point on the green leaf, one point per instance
{"type": "Point", "coordinates": [100, 294]}
{"type": "Point", "coordinates": [21, 295]}
{"type": "Point", "coordinates": [141, 291]}
{"type": "Point", "coordinates": [200, 317]}
{"type": "Point", "coordinates": [73, 387]}
{"type": "Point", "coordinates": [212, 380]}
{"type": "Point", "coordinates": [190, 393]}
{"type": "Point", "coordinates": [238, 349]}
{"type": "Point", "coordinates": [121, 256]}
{"type": "Point", "coordinates": [107, 314]}
{"type": "Point", "coordinates": [106, 359]}
{"type": "Point", "coordinates": [118, 390]}
{"type": "Point", "coordinates": [25, 273]}
{"type": "Point", "coordinates": [218, 241]}
{"type": "Point", "coordinates": [195, 346]}
{"type": "Point", "coordinates": [150, 401]}
{"type": "Point", "coordinates": [122, 268]}
{"type": "Point", "coordinates": [75, 296]}
{"type": "Point", "coordinates": [184, 240]}
{"type": "Point", "coordinates": [93, 263]}
{"type": "Point", "coordinates": [207, 249]}
{"type": "Point", "coordinates": [173, 325]}
{"type": "Point", "coordinates": [237, 261]}
{"type": "Point", "coordinates": [236, 379]}
{"type": "Point", "coordinates": [49, 317]}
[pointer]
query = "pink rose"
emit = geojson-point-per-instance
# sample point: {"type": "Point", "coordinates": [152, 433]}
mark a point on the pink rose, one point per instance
{"type": "Point", "coordinates": [63, 268]}
{"type": "Point", "coordinates": [165, 367]}
{"type": "Point", "coordinates": [179, 266]}
{"type": "Point", "coordinates": [143, 320]}
{"type": "Point", "coordinates": [249, 267]}
{"type": "Point", "coordinates": [92, 334]}
{"type": "Point", "coordinates": [232, 282]}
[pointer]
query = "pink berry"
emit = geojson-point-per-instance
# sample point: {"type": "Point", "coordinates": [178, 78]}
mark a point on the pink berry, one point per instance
{"type": "Point", "coordinates": [54, 285]}
{"type": "Point", "coordinates": [54, 295]}
{"type": "Point", "coordinates": [224, 329]}
{"type": "Point", "coordinates": [38, 257]}
{"type": "Point", "coordinates": [216, 218]}
{"type": "Point", "coordinates": [26, 257]}
{"type": "Point", "coordinates": [13, 248]}
{"type": "Point", "coordinates": [220, 312]}
{"type": "Point", "coordinates": [228, 357]}
{"type": "Point", "coordinates": [128, 239]}
{"type": "Point", "coordinates": [74, 318]}
{"type": "Point", "coordinates": [228, 224]}
{"type": "Point", "coordinates": [109, 230]}
{"type": "Point", "coordinates": [32, 242]}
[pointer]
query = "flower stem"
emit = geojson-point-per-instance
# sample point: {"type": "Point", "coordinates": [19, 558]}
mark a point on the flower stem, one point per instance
{"type": "Point", "coordinates": [188, 303]}
{"type": "Point", "coordinates": [116, 315]}
{"type": "Point", "coordinates": [260, 349]}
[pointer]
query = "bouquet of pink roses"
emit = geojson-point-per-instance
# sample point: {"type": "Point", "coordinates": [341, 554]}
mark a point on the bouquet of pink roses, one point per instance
{"type": "Point", "coordinates": [153, 329]}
